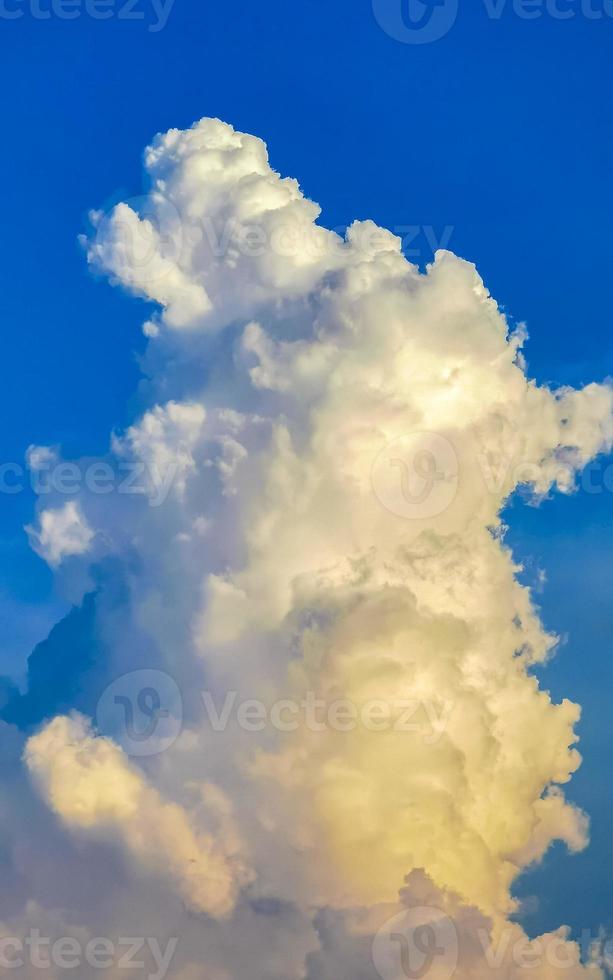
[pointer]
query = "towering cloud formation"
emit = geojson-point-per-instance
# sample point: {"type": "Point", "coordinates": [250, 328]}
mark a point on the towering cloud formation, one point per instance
{"type": "Point", "coordinates": [329, 441]}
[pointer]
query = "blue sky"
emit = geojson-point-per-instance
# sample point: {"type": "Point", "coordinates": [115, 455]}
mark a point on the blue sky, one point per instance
{"type": "Point", "coordinates": [498, 136]}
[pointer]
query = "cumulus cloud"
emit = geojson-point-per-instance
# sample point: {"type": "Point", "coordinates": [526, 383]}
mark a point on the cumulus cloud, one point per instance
{"type": "Point", "coordinates": [385, 943]}
{"type": "Point", "coordinates": [163, 442]}
{"type": "Point", "coordinates": [62, 532]}
{"type": "Point", "coordinates": [91, 786]}
{"type": "Point", "coordinates": [341, 432]}
{"type": "Point", "coordinates": [39, 457]}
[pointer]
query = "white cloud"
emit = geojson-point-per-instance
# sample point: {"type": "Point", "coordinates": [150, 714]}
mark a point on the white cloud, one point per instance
{"type": "Point", "coordinates": [41, 457]}
{"type": "Point", "coordinates": [62, 532]}
{"type": "Point", "coordinates": [339, 462]}
{"type": "Point", "coordinates": [91, 786]}
{"type": "Point", "coordinates": [163, 441]}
